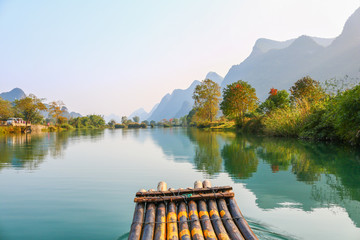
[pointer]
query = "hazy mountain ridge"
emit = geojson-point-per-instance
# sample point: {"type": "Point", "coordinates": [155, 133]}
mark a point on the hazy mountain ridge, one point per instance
{"type": "Point", "coordinates": [18, 93]}
{"type": "Point", "coordinates": [14, 94]}
{"type": "Point", "coordinates": [281, 64]}
{"type": "Point", "coordinates": [180, 101]}
{"type": "Point", "coordinates": [141, 113]}
{"type": "Point", "coordinates": [171, 104]}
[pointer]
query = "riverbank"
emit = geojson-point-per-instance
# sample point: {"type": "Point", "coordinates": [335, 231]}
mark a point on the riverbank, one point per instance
{"type": "Point", "coordinates": [21, 129]}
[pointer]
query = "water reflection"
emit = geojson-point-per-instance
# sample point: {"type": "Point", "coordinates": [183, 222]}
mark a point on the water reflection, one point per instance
{"type": "Point", "coordinates": [280, 172]}
{"type": "Point", "coordinates": [207, 151]}
{"type": "Point", "coordinates": [240, 158]}
{"type": "Point", "coordinates": [28, 151]}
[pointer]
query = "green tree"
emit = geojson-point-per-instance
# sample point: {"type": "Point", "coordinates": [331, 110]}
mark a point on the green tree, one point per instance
{"type": "Point", "coordinates": [76, 122]}
{"type": "Point", "coordinates": [239, 98]}
{"type": "Point", "coordinates": [56, 111]}
{"type": "Point", "coordinates": [306, 89]}
{"type": "Point", "coordinates": [6, 110]}
{"type": "Point", "coordinates": [124, 119]}
{"type": "Point", "coordinates": [146, 122]}
{"type": "Point", "coordinates": [276, 99]}
{"type": "Point", "coordinates": [29, 108]}
{"type": "Point", "coordinates": [176, 122]}
{"type": "Point", "coordinates": [183, 121]}
{"type": "Point", "coordinates": [207, 96]}
{"type": "Point", "coordinates": [190, 116]}
{"type": "Point", "coordinates": [97, 120]}
{"type": "Point", "coordinates": [112, 123]}
{"type": "Point", "coordinates": [136, 119]}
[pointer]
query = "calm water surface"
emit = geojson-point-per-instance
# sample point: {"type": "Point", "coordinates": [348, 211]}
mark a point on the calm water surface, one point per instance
{"type": "Point", "coordinates": [81, 185]}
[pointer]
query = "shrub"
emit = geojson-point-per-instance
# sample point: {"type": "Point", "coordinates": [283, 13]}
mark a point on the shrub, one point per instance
{"type": "Point", "coordinates": [119, 125]}
{"type": "Point", "coordinates": [66, 126]}
{"type": "Point", "coordinates": [286, 121]}
{"type": "Point", "coordinates": [52, 128]}
{"type": "Point", "coordinates": [347, 119]}
{"type": "Point", "coordinates": [134, 125]}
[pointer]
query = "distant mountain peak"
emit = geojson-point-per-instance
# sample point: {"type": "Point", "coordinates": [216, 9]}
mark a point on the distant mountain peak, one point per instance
{"type": "Point", "coordinates": [351, 30]}
{"type": "Point", "coordinates": [272, 63]}
{"type": "Point", "coordinates": [141, 113]}
{"type": "Point", "coordinates": [263, 45]}
{"type": "Point", "coordinates": [12, 95]}
{"type": "Point", "coordinates": [214, 77]}
{"type": "Point", "coordinates": [304, 41]}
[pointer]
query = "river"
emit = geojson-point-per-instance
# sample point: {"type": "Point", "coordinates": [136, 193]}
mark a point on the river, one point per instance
{"type": "Point", "coordinates": [81, 184]}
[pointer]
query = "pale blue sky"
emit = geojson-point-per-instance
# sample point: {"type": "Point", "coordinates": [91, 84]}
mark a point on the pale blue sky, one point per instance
{"type": "Point", "coordinates": [116, 56]}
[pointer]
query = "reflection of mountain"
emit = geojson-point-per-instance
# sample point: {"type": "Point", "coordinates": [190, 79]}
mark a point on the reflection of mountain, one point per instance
{"type": "Point", "coordinates": [192, 145]}
{"type": "Point", "coordinates": [28, 151]}
{"type": "Point", "coordinates": [174, 143]}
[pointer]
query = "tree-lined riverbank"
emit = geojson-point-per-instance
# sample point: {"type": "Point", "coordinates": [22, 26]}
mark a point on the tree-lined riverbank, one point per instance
{"type": "Point", "coordinates": [329, 111]}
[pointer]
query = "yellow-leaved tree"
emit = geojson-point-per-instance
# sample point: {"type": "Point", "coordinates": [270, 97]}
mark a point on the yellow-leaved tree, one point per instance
{"type": "Point", "coordinates": [207, 96]}
{"type": "Point", "coordinates": [56, 111]}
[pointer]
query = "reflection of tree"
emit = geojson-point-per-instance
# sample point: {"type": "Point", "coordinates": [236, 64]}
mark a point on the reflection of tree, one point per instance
{"type": "Point", "coordinates": [343, 162]}
{"type": "Point", "coordinates": [22, 151]}
{"type": "Point", "coordinates": [240, 158]}
{"type": "Point", "coordinates": [207, 153]}
{"type": "Point", "coordinates": [283, 153]}
{"type": "Point", "coordinates": [29, 150]}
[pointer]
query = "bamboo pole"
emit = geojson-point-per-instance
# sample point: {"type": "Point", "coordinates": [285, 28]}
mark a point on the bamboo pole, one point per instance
{"type": "Point", "coordinates": [136, 226]}
{"type": "Point", "coordinates": [240, 220]}
{"type": "Point", "coordinates": [208, 230]}
{"type": "Point", "coordinates": [183, 191]}
{"type": "Point", "coordinates": [172, 229]}
{"type": "Point", "coordinates": [149, 224]}
{"type": "Point", "coordinates": [160, 227]}
{"type": "Point", "coordinates": [162, 186]}
{"type": "Point", "coordinates": [216, 221]}
{"type": "Point", "coordinates": [181, 198]}
{"type": "Point", "coordinates": [228, 222]}
{"type": "Point", "coordinates": [195, 227]}
{"type": "Point", "coordinates": [184, 233]}
{"type": "Point", "coordinates": [214, 216]}
{"type": "Point", "coordinates": [205, 221]}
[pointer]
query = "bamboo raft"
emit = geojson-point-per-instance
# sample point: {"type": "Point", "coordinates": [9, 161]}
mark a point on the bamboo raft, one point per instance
{"type": "Point", "coordinates": [199, 213]}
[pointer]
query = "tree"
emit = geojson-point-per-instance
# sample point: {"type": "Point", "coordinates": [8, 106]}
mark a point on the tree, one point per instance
{"type": "Point", "coordinates": [136, 119]}
{"type": "Point", "coordinates": [29, 108]}
{"type": "Point", "coordinates": [6, 110]}
{"type": "Point", "coordinates": [239, 98]}
{"type": "Point", "coordinates": [176, 122]}
{"type": "Point", "coordinates": [97, 120]}
{"type": "Point", "coordinates": [76, 122]}
{"type": "Point", "coordinates": [124, 119]}
{"type": "Point", "coordinates": [112, 123]}
{"type": "Point", "coordinates": [207, 96]}
{"type": "Point", "coordinates": [56, 111]}
{"type": "Point", "coordinates": [190, 116]}
{"type": "Point", "coordinates": [146, 122]}
{"type": "Point", "coordinates": [276, 99]}
{"type": "Point", "coordinates": [306, 89]}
